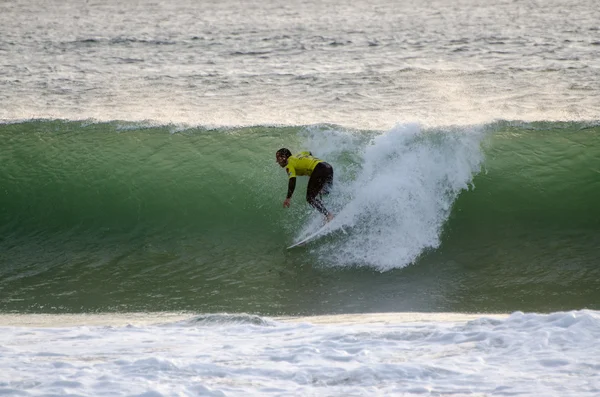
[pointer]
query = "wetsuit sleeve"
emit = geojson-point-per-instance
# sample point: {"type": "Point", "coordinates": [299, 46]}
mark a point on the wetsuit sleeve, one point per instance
{"type": "Point", "coordinates": [291, 187]}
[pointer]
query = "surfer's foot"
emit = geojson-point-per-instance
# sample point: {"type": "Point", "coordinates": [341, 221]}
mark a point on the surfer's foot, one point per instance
{"type": "Point", "coordinates": [329, 217]}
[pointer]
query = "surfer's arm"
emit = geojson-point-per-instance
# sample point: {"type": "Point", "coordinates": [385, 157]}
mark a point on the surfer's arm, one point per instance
{"type": "Point", "coordinates": [291, 187]}
{"type": "Point", "coordinates": [290, 169]}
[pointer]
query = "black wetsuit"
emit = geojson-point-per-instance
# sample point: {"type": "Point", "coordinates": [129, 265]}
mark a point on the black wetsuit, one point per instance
{"type": "Point", "coordinates": [320, 182]}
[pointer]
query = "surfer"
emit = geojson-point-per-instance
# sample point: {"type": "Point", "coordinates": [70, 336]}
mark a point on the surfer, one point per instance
{"type": "Point", "coordinates": [320, 181]}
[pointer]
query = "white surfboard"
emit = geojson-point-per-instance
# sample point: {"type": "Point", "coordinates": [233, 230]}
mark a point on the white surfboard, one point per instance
{"type": "Point", "coordinates": [310, 237]}
{"type": "Point", "coordinates": [339, 222]}
{"type": "Point", "coordinates": [330, 227]}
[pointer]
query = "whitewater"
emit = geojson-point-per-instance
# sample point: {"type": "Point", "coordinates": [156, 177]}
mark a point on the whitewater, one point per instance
{"type": "Point", "coordinates": [142, 236]}
{"type": "Point", "coordinates": [363, 355]}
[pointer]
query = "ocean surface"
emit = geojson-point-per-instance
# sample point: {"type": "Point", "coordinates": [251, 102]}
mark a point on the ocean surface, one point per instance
{"type": "Point", "coordinates": [143, 239]}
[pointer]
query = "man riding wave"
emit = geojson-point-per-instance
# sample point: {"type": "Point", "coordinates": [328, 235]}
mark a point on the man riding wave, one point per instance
{"type": "Point", "coordinates": [305, 164]}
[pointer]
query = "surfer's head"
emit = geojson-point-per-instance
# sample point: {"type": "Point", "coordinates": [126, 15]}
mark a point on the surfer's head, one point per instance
{"type": "Point", "coordinates": [281, 157]}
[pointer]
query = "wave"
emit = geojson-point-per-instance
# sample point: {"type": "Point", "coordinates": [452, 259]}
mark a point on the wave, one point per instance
{"type": "Point", "coordinates": [145, 204]}
{"type": "Point", "coordinates": [400, 191]}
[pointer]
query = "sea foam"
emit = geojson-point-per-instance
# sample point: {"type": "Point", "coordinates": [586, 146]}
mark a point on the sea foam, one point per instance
{"type": "Point", "coordinates": [405, 354]}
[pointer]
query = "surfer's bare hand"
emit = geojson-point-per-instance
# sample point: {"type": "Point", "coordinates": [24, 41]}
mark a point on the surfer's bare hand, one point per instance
{"type": "Point", "coordinates": [286, 203]}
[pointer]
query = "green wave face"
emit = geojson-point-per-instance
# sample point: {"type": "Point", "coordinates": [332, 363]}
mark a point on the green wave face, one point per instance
{"type": "Point", "coordinates": [117, 216]}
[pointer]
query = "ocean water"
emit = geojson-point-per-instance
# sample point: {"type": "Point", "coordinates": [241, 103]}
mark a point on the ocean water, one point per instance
{"type": "Point", "coordinates": [143, 239]}
{"type": "Point", "coordinates": [129, 217]}
{"type": "Point", "coordinates": [367, 64]}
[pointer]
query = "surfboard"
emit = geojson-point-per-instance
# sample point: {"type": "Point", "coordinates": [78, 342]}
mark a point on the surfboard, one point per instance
{"type": "Point", "coordinates": [331, 227]}
{"type": "Point", "coordinates": [339, 222]}
{"type": "Point", "coordinates": [310, 237]}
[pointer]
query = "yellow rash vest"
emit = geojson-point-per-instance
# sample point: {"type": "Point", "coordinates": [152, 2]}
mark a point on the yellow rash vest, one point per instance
{"type": "Point", "coordinates": [301, 164]}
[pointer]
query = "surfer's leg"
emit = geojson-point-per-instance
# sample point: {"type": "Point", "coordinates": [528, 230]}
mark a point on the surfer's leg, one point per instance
{"type": "Point", "coordinates": [328, 185]}
{"type": "Point", "coordinates": [318, 204]}
{"type": "Point", "coordinates": [312, 192]}
{"type": "Point", "coordinates": [320, 182]}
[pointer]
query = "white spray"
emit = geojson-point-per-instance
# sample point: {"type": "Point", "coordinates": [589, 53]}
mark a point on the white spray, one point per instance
{"type": "Point", "coordinates": [395, 205]}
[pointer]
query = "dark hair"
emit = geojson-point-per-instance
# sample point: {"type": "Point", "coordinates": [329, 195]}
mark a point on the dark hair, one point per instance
{"type": "Point", "coordinates": [284, 152]}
